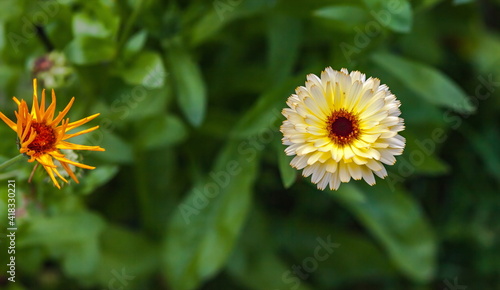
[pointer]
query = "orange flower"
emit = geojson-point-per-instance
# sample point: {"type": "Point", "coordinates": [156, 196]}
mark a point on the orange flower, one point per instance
{"type": "Point", "coordinates": [41, 135]}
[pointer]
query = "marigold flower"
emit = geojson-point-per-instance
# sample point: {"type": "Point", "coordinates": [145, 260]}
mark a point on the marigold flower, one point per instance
{"type": "Point", "coordinates": [41, 136]}
{"type": "Point", "coordinates": [342, 125]}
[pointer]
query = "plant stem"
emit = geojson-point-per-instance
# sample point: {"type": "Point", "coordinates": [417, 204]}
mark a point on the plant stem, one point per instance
{"type": "Point", "coordinates": [11, 161]}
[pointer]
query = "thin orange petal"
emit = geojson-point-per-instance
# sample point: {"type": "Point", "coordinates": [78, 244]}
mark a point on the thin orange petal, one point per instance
{"type": "Point", "coordinates": [26, 130]}
{"type": "Point", "coordinates": [35, 109]}
{"type": "Point", "coordinates": [59, 174]}
{"type": "Point", "coordinates": [22, 134]}
{"type": "Point", "coordinates": [7, 121]}
{"type": "Point", "coordinates": [64, 159]}
{"type": "Point", "coordinates": [42, 105]}
{"type": "Point", "coordinates": [69, 171]}
{"type": "Point", "coordinates": [71, 146]}
{"type": "Point", "coordinates": [63, 113]}
{"type": "Point", "coordinates": [32, 137]}
{"type": "Point", "coordinates": [49, 114]}
{"type": "Point", "coordinates": [75, 124]}
{"type": "Point", "coordinates": [51, 175]}
{"type": "Point", "coordinates": [48, 165]}
{"type": "Point", "coordinates": [60, 131]}
{"type": "Point", "coordinates": [67, 136]}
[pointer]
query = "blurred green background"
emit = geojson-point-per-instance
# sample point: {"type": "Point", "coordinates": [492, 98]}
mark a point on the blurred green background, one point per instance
{"type": "Point", "coordinates": [194, 190]}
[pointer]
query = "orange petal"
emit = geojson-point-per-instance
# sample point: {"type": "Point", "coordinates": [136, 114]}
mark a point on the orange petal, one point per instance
{"type": "Point", "coordinates": [63, 113]}
{"type": "Point", "coordinates": [67, 136]}
{"type": "Point", "coordinates": [7, 121]}
{"type": "Point", "coordinates": [35, 109]}
{"type": "Point", "coordinates": [68, 170]}
{"type": "Point", "coordinates": [49, 114]}
{"type": "Point", "coordinates": [67, 145]}
{"type": "Point", "coordinates": [75, 124]}
{"type": "Point", "coordinates": [61, 158]}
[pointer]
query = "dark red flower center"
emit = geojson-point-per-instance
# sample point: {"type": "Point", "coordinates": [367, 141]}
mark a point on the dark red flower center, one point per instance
{"type": "Point", "coordinates": [44, 140]}
{"type": "Point", "coordinates": [343, 127]}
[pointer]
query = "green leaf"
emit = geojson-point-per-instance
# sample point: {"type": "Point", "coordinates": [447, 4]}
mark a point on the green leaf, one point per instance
{"type": "Point", "coordinates": [222, 13]}
{"type": "Point", "coordinates": [287, 172]}
{"type": "Point", "coordinates": [358, 258]}
{"type": "Point", "coordinates": [202, 232]}
{"type": "Point", "coordinates": [191, 91]}
{"type": "Point", "coordinates": [161, 131]}
{"type": "Point", "coordinates": [350, 193]}
{"type": "Point", "coordinates": [263, 114]}
{"type": "Point", "coordinates": [119, 254]}
{"type": "Point", "coordinates": [421, 152]}
{"type": "Point", "coordinates": [485, 147]}
{"type": "Point", "coordinates": [484, 53]}
{"type": "Point", "coordinates": [117, 150]}
{"type": "Point", "coordinates": [98, 20]}
{"type": "Point", "coordinates": [459, 2]}
{"type": "Point", "coordinates": [428, 83]}
{"type": "Point", "coordinates": [257, 267]}
{"type": "Point", "coordinates": [355, 257]}
{"type": "Point", "coordinates": [395, 14]}
{"type": "Point", "coordinates": [209, 24]}
{"type": "Point", "coordinates": [433, 165]}
{"type": "Point", "coordinates": [87, 50]}
{"type": "Point", "coordinates": [11, 9]}
{"type": "Point", "coordinates": [97, 177]}
{"type": "Point", "coordinates": [33, 259]}
{"type": "Point", "coordinates": [349, 14]}
{"type": "Point", "coordinates": [146, 69]}
{"type": "Point", "coordinates": [135, 44]}
{"type": "Point", "coordinates": [68, 228]}
{"type": "Point", "coordinates": [80, 259]}
{"type": "Point", "coordinates": [426, 4]}
{"type": "Point", "coordinates": [397, 222]}
{"type": "Point", "coordinates": [134, 103]}
{"type": "Point", "coordinates": [284, 36]}
{"type": "Point", "coordinates": [85, 25]}
{"type": "Point", "coordinates": [71, 237]}
{"type": "Point", "coordinates": [254, 265]}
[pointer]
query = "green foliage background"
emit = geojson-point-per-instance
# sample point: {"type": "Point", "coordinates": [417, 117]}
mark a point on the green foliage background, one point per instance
{"type": "Point", "coordinates": [194, 190]}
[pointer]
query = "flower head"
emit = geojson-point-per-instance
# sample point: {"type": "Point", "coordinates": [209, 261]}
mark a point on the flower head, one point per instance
{"type": "Point", "coordinates": [42, 135]}
{"type": "Point", "coordinates": [342, 125]}
{"type": "Point", "coordinates": [52, 69]}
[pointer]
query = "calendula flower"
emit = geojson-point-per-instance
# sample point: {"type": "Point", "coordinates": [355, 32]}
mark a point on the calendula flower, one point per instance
{"type": "Point", "coordinates": [342, 125]}
{"type": "Point", "coordinates": [41, 136]}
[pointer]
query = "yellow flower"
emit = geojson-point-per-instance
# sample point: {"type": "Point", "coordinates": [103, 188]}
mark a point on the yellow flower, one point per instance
{"type": "Point", "coordinates": [41, 136]}
{"type": "Point", "coordinates": [342, 125]}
